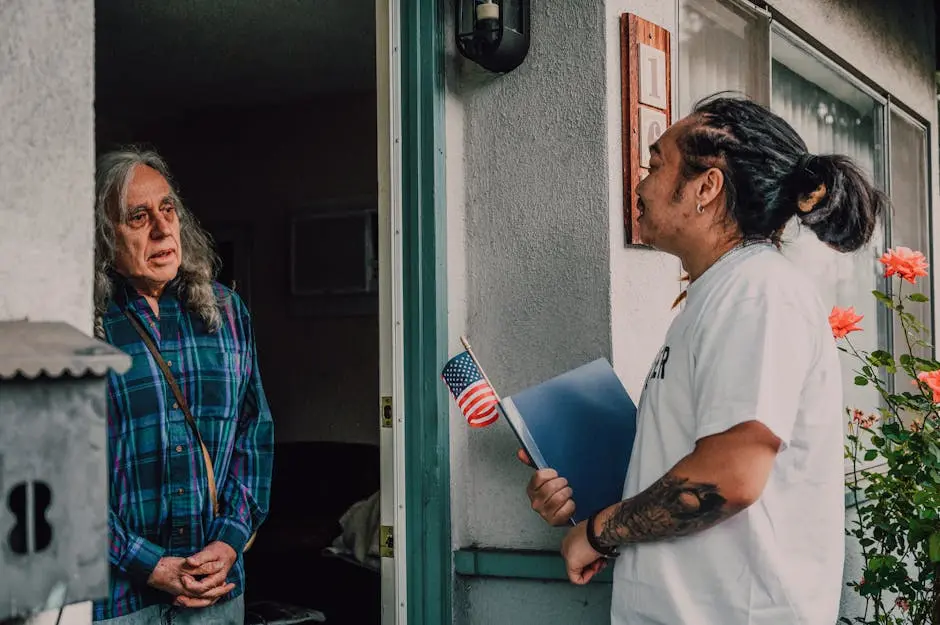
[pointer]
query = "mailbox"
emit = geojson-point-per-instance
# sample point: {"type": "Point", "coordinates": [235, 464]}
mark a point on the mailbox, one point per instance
{"type": "Point", "coordinates": [53, 465]}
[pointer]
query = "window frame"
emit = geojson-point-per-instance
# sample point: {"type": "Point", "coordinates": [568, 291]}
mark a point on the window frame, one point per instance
{"type": "Point", "coordinates": [897, 108]}
{"type": "Point", "coordinates": [883, 172]}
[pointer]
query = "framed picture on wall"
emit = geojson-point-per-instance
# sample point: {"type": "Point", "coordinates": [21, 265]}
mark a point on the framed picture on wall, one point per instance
{"type": "Point", "coordinates": [334, 257]}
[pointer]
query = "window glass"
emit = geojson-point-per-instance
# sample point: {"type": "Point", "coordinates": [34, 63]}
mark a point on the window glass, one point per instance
{"type": "Point", "coordinates": [834, 115]}
{"type": "Point", "coordinates": [722, 47]}
{"type": "Point", "coordinates": [910, 223]}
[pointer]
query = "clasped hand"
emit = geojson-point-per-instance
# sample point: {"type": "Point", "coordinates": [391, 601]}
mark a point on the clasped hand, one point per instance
{"type": "Point", "coordinates": [199, 580]}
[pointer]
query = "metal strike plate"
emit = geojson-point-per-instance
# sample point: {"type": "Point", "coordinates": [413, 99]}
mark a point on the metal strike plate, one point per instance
{"type": "Point", "coordinates": [386, 411]}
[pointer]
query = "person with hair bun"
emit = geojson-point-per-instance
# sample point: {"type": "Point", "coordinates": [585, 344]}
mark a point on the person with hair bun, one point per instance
{"type": "Point", "coordinates": [732, 510]}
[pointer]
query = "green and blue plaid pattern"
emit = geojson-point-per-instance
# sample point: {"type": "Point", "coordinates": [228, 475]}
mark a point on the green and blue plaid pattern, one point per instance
{"type": "Point", "coordinates": [159, 494]}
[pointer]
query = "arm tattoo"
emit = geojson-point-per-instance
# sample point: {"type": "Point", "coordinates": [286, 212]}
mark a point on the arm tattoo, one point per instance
{"type": "Point", "coordinates": [672, 507]}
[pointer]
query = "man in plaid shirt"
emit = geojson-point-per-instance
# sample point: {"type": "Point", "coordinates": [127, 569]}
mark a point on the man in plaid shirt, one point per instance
{"type": "Point", "coordinates": [173, 557]}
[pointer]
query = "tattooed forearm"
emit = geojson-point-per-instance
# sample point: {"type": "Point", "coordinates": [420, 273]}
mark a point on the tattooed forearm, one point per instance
{"type": "Point", "coordinates": [671, 507]}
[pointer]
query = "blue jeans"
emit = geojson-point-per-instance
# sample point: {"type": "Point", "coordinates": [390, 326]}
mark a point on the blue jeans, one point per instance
{"type": "Point", "coordinates": [231, 612]}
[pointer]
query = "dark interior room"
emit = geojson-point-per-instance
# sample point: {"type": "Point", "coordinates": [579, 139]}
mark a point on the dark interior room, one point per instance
{"type": "Point", "coordinates": [266, 115]}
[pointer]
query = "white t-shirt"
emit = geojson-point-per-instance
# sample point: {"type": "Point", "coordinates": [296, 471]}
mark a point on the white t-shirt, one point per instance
{"type": "Point", "coordinates": [752, 343]}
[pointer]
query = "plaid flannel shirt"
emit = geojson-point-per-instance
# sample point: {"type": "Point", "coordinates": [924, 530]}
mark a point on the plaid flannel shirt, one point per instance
{"type": "Point", "coordinates": [159, 494]}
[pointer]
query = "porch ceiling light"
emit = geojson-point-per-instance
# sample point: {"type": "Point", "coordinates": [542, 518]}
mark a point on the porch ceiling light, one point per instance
{"type": "Point", "coordinates": [493, 33]}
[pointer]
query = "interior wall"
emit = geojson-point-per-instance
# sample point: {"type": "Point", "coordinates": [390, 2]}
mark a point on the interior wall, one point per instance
{"type": "Point", "coordinates": [252, 168]}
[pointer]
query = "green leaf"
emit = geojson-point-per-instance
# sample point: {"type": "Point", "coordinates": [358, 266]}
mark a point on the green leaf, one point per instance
{"type": "Point", "coordinates": [881, 358]}
{"type": "Point", "coordinates": [861, 380]}
{"type": "Point", "coordinates": [901, 399]}
{"type": "Point", "coordinates": [884, 299]}
{"type": "Point", "coordinates": [934, 547]}
{"type": "Point", "coordinates": [918, 297]}
{"type": "Point", "coordinates": [870, 455]}
{"type": "Point", "coordinates": [881, 355]}
{"type": "Point", "coordinates": [923, 364]}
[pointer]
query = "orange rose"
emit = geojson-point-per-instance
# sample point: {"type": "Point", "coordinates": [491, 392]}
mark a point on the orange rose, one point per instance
{"type": "Point", "coordinates": [843, 320]}
{"type": "Point", "coordinates": [904, 262]}
{"type": "Point", "coordinates": [932, 380]}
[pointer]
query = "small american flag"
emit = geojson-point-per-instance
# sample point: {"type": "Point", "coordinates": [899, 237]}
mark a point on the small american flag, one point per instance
{"type": "Point", "coordinates": [475, 397]}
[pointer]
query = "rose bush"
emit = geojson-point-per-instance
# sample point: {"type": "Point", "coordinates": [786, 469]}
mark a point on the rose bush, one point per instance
{"type": "Point", "coordinates": [897, 492]}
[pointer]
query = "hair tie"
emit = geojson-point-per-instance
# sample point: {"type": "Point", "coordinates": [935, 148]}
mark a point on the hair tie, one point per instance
{"type": "Point", "coordinates": [809, 202]}
{"type": "Point", "coordinates": [805, 161]}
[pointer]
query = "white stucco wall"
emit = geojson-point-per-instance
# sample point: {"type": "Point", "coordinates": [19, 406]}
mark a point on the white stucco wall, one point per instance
{"type": "Point", "coordinates": [47, 171]}
{"type": "Point", "coordinates": [46, 160]}
{"type": "Point", "coordinates": [533, 169]}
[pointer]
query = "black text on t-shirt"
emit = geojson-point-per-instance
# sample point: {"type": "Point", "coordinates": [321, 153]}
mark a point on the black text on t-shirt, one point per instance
{"type": "Point", "coordinates": [658, 370]}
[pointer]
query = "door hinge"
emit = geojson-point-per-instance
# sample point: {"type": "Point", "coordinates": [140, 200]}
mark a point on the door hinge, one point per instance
{"type": "Point", "coordinates": [387, 541]}
{"type": "Point", "coordinates": [386, 413]}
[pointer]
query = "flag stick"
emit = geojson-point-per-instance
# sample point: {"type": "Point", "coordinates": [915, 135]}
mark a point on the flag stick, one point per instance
{"type": "Point", "coordinates": [466, 345]}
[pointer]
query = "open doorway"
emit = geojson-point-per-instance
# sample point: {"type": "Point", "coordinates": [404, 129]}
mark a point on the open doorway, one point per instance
{"type": "Point", "coordinates": [266, 114]}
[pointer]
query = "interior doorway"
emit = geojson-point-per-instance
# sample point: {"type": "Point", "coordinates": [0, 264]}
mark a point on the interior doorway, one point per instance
{"type": "Point", "coordinates": [266, 114]}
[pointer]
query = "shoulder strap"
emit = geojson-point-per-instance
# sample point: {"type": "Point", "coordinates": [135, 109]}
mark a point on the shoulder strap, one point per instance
{"type": "Point", "coordinates": [181, 400]}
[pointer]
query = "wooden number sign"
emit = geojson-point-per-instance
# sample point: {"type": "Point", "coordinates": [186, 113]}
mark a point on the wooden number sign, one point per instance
{"type": "Point", "coordinates": [647, 104]}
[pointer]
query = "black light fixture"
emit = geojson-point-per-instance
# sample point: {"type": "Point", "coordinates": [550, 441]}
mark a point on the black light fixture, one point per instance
{"type": "Point", "coordinates": [493, 33]}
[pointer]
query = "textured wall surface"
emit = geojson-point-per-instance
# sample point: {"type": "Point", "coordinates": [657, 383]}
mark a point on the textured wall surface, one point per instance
{"type": "Point", "coordinates": [519, 167]}
{"type": "Point", "coordinates": [513, 602]}
{"type": "Point", "coordinates": [47, 170]}
{"type": "Point", "coordinates": [46, 160]}
{"type": "Point", "coordinates": [537, 255]}
{"type": "Point", "coordinates": [539, 277]}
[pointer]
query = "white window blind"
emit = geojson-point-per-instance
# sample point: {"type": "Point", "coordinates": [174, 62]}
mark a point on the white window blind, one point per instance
{"type": "Point", "coordinates": [723, 46]}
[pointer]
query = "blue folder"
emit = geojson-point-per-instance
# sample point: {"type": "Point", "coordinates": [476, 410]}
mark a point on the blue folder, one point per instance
{"type": "Point", "coordinates": [582, 424]}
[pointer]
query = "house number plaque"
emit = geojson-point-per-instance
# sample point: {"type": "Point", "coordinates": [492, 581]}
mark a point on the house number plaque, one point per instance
{"type": "Point", "coordinates": [646, 105]}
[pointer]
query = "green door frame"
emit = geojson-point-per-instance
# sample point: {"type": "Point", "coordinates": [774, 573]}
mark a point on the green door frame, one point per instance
{"type": "Point", "coordinates": [428, 551]}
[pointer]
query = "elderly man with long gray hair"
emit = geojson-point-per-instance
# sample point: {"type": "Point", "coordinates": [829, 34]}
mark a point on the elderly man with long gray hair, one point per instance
{"type": "Point", "coordinates": [190, 435]}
